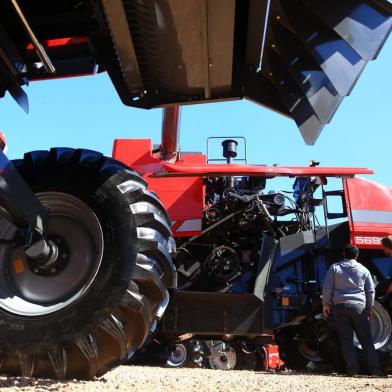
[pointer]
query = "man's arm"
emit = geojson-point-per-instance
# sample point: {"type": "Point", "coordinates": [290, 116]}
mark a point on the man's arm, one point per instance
{"type": "Point", "coordinates": [369, 291]}
{"type": "Point", "coordinates": [328, 288]}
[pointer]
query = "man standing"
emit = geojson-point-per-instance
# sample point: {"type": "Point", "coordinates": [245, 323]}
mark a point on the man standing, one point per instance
{"type": "Point", "coordinates": [387, 245]}
{"type": "Point", "coordinates": [348, 293]}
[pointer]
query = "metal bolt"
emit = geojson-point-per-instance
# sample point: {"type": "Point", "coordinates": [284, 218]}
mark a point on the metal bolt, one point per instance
{"type": "Point", "coordinates": [35, 270]}
{"type": "Point", "coordinates": [52, 270]}
{"type": "Point", "coordinates": [64, 255]}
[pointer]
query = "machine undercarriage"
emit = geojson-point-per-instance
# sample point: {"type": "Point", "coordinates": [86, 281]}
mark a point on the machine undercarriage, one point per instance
{"type": "Point", "coordinates": [275, 246]}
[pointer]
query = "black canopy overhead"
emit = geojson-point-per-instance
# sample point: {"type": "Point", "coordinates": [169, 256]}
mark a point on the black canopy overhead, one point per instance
{"type": "Point", "coordinates": [296, 57]}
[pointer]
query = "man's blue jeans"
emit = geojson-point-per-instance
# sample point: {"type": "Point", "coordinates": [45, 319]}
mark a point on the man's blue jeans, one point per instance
{"type": "Point", "coordinates": [347, 320]}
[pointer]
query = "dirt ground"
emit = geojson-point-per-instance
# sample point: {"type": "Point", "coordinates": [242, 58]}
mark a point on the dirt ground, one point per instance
{"type": "Point", "coordinates": [146, 379]}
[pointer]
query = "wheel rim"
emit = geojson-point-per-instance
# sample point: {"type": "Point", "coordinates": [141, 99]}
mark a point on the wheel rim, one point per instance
{"type": "Point", "coordinates": [24, 291]}
{"type": "Point", "coordinates": [178, 356]}
{"type": "Point", "coordinates": [380, 326]}
{"type": "Point", "coordinates": [308, 351]}
{"type": "Point", "coordinates": [224, 360]}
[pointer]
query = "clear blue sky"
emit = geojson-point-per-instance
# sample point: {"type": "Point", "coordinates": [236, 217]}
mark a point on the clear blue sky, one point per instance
{"type": "Point", "coordinates": [86, 112]}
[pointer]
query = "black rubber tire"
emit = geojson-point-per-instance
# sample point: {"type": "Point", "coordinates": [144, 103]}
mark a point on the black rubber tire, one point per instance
{"type": "Point", "coordinates": [331, 353]}
{"type": "Point", "coordinates": [167, 356]}
{"type": "Point", "coordinates": [385, 353]}
{"type": "Point", "coordinates": [129, 293]}
{"type": "Point", "coordinates": [159, 354]}
{"type": "Point", "coordinates": [293, 358]}
{"type": "Point", "coordinates": [193, 358]}
{"type": "Point", "coordinates": [240, 355]}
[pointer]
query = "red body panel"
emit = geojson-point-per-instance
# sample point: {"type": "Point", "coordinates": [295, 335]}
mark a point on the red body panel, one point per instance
{"type": "Point", "coordinates": [68, 41]}
{"type": "Point", "coordinates": [369, 204]}
{"type": "Point", "coordinates": [65, 52]}
{"type": "Point", "coordinates": [369, 207]}
{"type": "Point", "coordinates": [183, 198]}
{"type": "Point", "coordinates": [216, 170]}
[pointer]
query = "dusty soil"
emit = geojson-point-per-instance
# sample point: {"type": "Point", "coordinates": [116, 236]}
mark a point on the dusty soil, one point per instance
{"type": "Point", "coordinates": [139, 378]}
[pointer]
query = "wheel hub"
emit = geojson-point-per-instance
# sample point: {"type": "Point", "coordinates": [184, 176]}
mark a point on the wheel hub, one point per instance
{"type": "Point", "coordinates": [223, 360]}
{"type": "Point", "coordinates": [32, 289]}
{"type": "Point", "coordinates": [56, 263]}
{"type": "Point", "coordinates": [178, 356]}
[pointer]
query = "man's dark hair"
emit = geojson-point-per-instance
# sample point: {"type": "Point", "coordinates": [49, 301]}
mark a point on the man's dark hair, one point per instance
{"type": "Point", "coordinates": [351, 252]}
{"type": "Point", "coordinates": [387, 241]}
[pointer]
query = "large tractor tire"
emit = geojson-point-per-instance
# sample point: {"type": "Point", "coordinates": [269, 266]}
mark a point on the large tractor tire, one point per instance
{"type": "Point", "coordinates": [101, 299]}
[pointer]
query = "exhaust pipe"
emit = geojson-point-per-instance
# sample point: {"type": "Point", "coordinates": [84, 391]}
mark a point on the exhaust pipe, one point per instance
{"type": "Point", "coordinates": [170, 145]}
{"type": "Point", "coordinates": [230, 152]}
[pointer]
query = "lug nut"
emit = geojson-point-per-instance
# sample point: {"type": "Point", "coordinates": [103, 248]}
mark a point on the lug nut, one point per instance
{"type": "Point", "coordinates": [35, 270]}
{"type": "Point", "coordinates": [53, 270]}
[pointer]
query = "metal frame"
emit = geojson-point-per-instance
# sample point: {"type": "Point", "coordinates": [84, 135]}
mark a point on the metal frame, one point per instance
{"type": "Point", "coordinates": [19, 204]}
{"type": "Point", "coordinates": [197, 313]}
{"type": "Point", "coordinates": [41, 52]}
